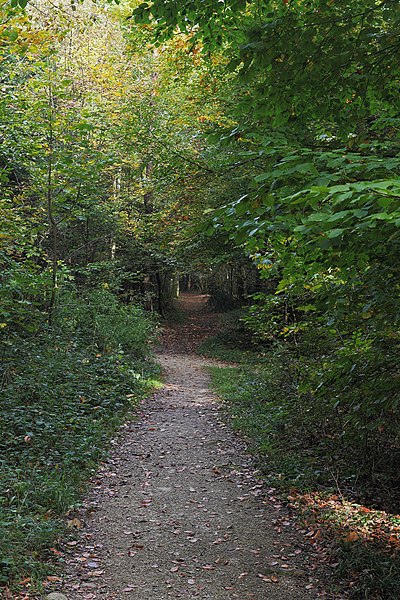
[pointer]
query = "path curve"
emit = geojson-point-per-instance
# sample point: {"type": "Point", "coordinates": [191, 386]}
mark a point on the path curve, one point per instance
{"type": "Point", "coordinates": [178, 512]}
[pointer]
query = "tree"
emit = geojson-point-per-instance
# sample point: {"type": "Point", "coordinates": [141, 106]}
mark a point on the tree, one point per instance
{"type": "Point", "coordinates": [316, 109]}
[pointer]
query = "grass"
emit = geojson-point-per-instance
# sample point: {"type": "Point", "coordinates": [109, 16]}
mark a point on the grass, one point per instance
{"type": "Point", "coordinates": [233, 343]}
{"type": "Point", "coordinates": [255, 410]}
{"type": "Point", "coordinates": [315, 471]}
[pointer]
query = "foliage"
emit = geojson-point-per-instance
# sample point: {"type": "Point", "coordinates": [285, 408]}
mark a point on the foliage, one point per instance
{"type": "Point", "coordinates": [108, 325]}
{"type": "Point", "coordinates": [64, 392]}
{"type": "Point", "coordinates": [289, 55]}
{"type": "Point", "coordinates": [74, 359]}
{"type": "Point", "coordinates": [316, 110]}
{"type": "Point", "coordinates": [364, 541]}
{"type": "Point", "coordinates": [303, 455]}
{"type": "Point", "coordinates": [143, 141]}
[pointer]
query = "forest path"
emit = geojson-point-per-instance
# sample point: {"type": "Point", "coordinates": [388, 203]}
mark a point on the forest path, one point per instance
{"type": "Point", "coordinates": [177, 511]}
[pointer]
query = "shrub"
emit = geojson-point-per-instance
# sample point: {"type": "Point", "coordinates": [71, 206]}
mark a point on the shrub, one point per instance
{"type": "Point", "coordinates": [64, 392]}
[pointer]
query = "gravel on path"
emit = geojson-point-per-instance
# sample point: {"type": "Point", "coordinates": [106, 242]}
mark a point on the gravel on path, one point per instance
{"type": "Point", "coordinates": [178, 510]}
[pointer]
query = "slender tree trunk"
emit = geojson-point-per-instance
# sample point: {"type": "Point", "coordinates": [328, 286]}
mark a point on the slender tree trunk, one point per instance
{"type": "Point", "coordinates": [87, 252]}
{"type": "Point", "coordinates": [117, 194]}
{"type": "Point", "coordinates": [53, 227]}
{"type": "Point", "coordinates": [160, 294]}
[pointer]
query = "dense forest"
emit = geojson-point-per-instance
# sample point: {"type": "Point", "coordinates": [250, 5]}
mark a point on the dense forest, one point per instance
{"type": "Point", "coordinates": [247, 149]}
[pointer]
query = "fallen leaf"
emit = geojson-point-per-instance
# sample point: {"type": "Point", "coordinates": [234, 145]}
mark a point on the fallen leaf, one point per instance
{"type": "Point", "coordinates": [268, 578]}
{"type": "Point", "coordinates": [351, 537]}
{"type": "Point", "coordinates": [75, 523]}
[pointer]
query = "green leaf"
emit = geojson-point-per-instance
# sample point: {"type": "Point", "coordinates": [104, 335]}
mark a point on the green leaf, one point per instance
{"type": "Point", "coordinates": [334, 233]}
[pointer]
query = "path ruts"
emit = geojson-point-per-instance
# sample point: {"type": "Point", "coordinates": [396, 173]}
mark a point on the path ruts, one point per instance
{"type": "Point", "coordinates": [177, 511]}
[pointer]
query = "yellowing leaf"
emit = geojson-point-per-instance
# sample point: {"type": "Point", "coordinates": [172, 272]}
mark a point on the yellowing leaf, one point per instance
{"type": "Point", "coordinates": [351, 537]}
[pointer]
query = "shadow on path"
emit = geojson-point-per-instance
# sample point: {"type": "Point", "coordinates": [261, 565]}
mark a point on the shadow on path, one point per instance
{"type": "Point", "coordinates": [198, 323]}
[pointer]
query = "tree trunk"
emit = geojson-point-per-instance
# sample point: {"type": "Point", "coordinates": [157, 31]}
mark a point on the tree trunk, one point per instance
{"type": "Point", "coordinates": [53, 227]}
{"type": "Point", "coordinates": [160, 295]}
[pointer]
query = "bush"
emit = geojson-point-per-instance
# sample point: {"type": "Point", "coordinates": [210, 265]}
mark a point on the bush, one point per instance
{"type": "Point", "coordinates": [106, 324]}
{"type": "Point", "coordinates": [64, 392]}
{"type": "Point", "coordinates": [320, 418]}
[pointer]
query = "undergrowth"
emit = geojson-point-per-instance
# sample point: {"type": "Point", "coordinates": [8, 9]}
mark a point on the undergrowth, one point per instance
{"type": "Point", "coordinates": [64, 392]}
{"type": "Point", "coordinates": [233, 343]}
{"type": "Point", "coordinates": [300, 453]}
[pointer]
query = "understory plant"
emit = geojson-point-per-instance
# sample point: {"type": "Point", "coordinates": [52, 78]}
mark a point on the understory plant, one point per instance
{"type": "Point", "coordinates": [302, 400]}
{"type": "Point", "coordinates": [64, 392]}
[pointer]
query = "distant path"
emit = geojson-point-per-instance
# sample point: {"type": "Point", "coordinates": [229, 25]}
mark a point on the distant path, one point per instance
{"type": "Point", "coordinates": [199, 324]}
{"type": "Point", "coordinates": [177, 511]}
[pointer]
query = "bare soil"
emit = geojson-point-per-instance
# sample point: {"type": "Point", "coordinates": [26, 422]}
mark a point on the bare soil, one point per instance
{"type": "Point", "coordinates": [178, 510]}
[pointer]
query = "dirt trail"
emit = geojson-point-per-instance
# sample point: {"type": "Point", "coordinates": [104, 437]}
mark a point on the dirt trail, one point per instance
{"type": "Point", "coordinates": [177, 511]}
